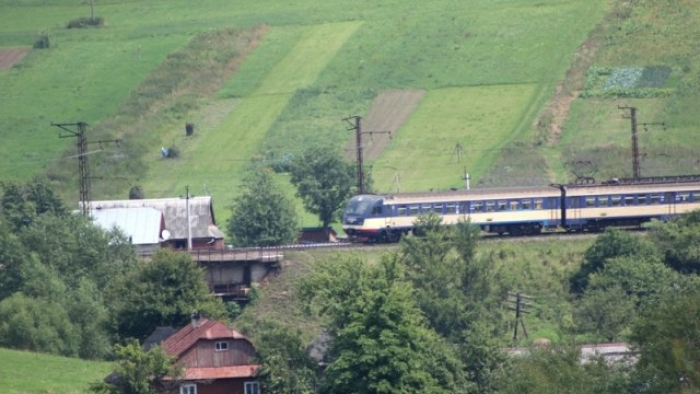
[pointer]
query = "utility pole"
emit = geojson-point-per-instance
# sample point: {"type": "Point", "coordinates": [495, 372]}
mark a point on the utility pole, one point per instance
{"type": "Point", "coordinates": [189, 226]}
{"type": "Point", "coordinates": [636, 172]}
{"type": "Point", "coordinates": [78, 130]}
{"type": "Point", "coordinates": [635, 145]}
{"type": "Point", "coordinates": [357, 126]}
{"type": "Point", "coordinates": [521, 303]}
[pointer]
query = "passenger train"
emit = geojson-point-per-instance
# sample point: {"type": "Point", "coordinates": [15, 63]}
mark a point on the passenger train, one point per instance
{"type": "Point", "coordinates": [524, 210]}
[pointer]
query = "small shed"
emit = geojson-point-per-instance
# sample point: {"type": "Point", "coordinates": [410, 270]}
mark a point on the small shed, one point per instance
{"type": "Point", "coordinates": [317, 235]}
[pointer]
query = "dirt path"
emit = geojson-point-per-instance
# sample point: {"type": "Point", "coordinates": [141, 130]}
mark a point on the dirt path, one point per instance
{"type": "Point", "coordinates": [554, 115]}
{"type": "Point", "coordinates": [11, 56]}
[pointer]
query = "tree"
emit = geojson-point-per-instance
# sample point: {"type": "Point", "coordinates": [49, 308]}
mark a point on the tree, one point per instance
{"type": "Point", "coordinates": [679, 242]}
{"type": "Point", "coordinates": [21, 204]}
{"type": "Point", "coordinates": [612, 243]}
{"type": "Point", "coordinates": [380, 342]}
{"type": "Point", "coordinates": [139, 372]}
{"type": "Point", "coordinates": [459, 294]}
{"type": "Point", "coordinates": [37, 324]}
{"type": "Point", "coordinates": [324, 182]}
{"type": "Point", "coordinates": [545, 371]}
{"type": "Point", "coordinates": [668, 335]}
{"type": "Point", "coordinates": [262, 215]}
{"type": "Point", "coordinates": [286, 367]}
{"type": "Point", "coordinates": [162, 292]}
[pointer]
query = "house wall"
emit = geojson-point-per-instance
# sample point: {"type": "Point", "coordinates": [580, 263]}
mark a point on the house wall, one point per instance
{"type": "Point", "coordinates": [220, 386]}
{"type": "Point", "coordinates": [204, 355]}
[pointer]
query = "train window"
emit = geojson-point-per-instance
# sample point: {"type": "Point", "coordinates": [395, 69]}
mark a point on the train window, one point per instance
{"type": "Point", "coordinates": [574, 202]}
{"type": "Point", "coordinates": [425, 208]}
{"type": "Point", "coordinates": [514, 205]}
{"type": "Point", "coordinates": [590, 201]}
{"type": "Point", "coordinates": [615, 201]}
{"type": "Point", "coordinates": [437, 208]}
{"type": "Point", "coordinates": [538, 203]}
{"type": "Point", "coordinates": [501, 205]}
{"type": "Point", "coordinates": [450, 208]}
{"type": "Point", "coordinates": [477, 206]}
{"type": "Point", "coordinates": [490, 206]}
{"type": "Point", "coordinates": [463, 207]}
{"type": "Point", "coordinates": [402, 210]}
{"type": "Point", "coordinates": [377, 210]}
{"type": "Point", "coordinates": [683, 197]}
{"type": "Point", "coordinates": [413, 210]}
{"type": "Point", "coordinates": [656, 199]}
{"type": "Point", "coordinates": [642, 199]}
{"type": "Point", "coordinates": [526, 204]}
{"type": "Point", "coordinates": [603, 201]}
{"type": "Point", "coordinates": [629, 200]}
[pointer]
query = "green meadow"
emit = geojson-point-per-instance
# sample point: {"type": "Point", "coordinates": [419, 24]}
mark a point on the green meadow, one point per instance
{"type": "Point", "coordinates": [24, 372]}
{"type": "Point", "coordinates": [295, 69]}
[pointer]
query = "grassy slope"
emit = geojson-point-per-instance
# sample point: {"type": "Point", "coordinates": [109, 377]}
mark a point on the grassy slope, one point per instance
{"type": "Point", "coordinates": [650, 33]}
{"type": "Point", "coordinates": [26, 372]}
{"type": "Point", "coordinates": [397, 44]}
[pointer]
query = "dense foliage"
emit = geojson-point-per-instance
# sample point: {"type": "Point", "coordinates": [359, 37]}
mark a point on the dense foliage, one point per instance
{"type": "Point", "coordinates": [324, 181]}
{"type": "Point", "coordinates": [68, 287]}
{"type": "Point", "coordinates": [139, 371]}
{"type": "Point", "coordinates": [161, 292]}
{"type": "Point", "coordinates": [262, 215]}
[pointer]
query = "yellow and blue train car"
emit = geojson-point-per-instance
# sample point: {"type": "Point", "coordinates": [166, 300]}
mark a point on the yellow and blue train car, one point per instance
{"type": "Point", "coordinates": [523, 210]}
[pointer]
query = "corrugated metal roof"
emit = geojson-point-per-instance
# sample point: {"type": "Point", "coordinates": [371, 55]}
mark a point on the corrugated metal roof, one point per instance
{"type": "Point", "coordinates": [142, 225]}
{"type": "Point", "coordinates": [174, 211]}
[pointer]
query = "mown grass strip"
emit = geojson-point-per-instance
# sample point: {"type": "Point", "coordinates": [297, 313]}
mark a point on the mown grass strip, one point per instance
{"type": "Point", "coordinates": [479, 119]}
{"type": "Point", "coordinates": [218, 157]}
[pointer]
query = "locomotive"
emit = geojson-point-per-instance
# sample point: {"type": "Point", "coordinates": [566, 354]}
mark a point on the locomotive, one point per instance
{"type": "Point", "coordinates": [525, 210]}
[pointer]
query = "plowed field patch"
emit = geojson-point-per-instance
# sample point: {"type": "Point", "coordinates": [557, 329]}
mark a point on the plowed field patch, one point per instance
{"type": "Point", "coordinates": [11, 56]}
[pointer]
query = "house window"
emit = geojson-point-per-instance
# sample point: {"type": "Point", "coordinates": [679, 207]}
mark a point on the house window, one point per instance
{"type": "Point", "coordinates": [221, 346]}
{"type": "Point", "coordinates": [188, 388]}
{"type": "Point", "coordinates": [252, 388]}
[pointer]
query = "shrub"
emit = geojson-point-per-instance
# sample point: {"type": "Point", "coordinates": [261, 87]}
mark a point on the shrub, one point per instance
{"type": "Point", "coordinates": [173, 152]}
{"type": "Point", "coordinates": [42, 40]}
{"type": "Point", "coordinates": [84, 21]}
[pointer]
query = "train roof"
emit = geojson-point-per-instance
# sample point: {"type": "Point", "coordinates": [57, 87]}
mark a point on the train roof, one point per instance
{"type": "Point", "coordinates": [472, 194]}
{"type": "Point", "coordinates": [593, 190]}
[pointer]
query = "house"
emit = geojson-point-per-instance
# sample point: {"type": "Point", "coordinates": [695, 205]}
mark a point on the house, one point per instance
{"type": "Point", "coordinates": [317, 235]}
{"type": "Point", "coordinates": [144, 226]}
{"type": "Point", "coordinates": [216, 359]}
{"type": "Point", "coordinates": [201, 227]}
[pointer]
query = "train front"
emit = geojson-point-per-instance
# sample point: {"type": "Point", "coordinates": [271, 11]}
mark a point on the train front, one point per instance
{"type": "Point", "coordinates": [357, 218]}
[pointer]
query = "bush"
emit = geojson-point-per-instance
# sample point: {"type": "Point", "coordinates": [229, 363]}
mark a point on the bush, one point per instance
{"type": "Point", "coordinates": [42, 40]}
{"type": "Point", "coordinates": [173, 152]}
{"type": "Point", "coordinates": [85, 21]}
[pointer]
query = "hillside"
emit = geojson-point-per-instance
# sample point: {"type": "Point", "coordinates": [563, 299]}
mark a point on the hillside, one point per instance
{"type": "Point", "coordinates": [502, 84]}
{"type": "Point", "coordinates": [28, 372]}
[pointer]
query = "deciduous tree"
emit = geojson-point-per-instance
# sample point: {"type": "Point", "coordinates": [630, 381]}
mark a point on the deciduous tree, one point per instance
{"type": "Point", "coordinates": [162, 292]}
{"type": "Point", "coordinates": [324, 181]}
{"type": "Point", "coordinates": [262, 215]}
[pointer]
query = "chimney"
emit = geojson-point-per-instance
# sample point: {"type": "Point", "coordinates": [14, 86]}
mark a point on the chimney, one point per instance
{"type": "Point", "coordinates": [196, 318]}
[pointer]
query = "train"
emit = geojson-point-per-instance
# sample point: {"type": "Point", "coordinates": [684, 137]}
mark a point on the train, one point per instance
{"type": "Point", "coordinates": [525, 210]}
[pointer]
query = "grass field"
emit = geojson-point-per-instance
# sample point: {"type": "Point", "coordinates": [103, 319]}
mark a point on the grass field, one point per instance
{"type": "Point", "coordinates": [475, 122]}
{"type": "Point", "coordinates": [319, 61]}
{"type": "Point", "coordinates": [28, 373]}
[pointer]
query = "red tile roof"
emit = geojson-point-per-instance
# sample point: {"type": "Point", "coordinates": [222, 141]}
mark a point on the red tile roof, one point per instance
{"type": "Point", "coordinates": [184, 339]}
